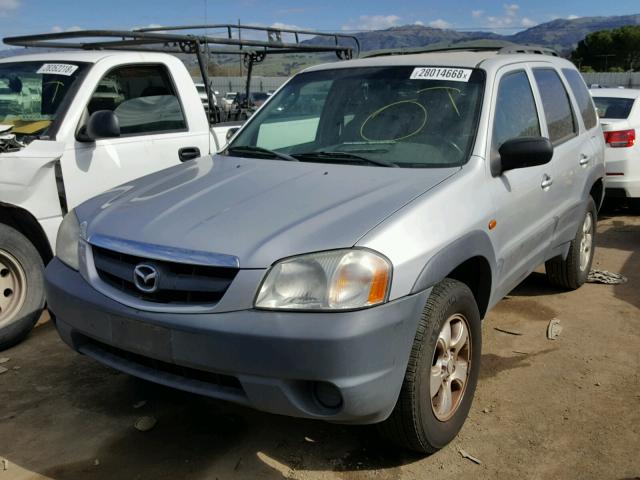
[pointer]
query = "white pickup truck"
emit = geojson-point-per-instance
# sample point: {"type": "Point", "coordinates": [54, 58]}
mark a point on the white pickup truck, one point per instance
{"type": "Point", "coordinates": [74, 124]}
{"type": "Point", "coordinates": [115, 107]}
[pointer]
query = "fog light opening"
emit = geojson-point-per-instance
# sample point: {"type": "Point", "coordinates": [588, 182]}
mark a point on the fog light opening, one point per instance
{"type": "Point", "coordinates": [327, 395]}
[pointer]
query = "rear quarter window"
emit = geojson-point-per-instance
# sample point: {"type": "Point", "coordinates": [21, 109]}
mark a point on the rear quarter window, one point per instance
{"type": "Point", "coordinates": [557, 107]}
{"type": "Point", "coordinates": [581, 94]}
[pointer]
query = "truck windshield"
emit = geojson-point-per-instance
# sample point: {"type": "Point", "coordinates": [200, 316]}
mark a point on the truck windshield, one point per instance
{"type": "Point", "coordinates": [401, 116]}
{"type": "Point", "coordinates": [31, 94]}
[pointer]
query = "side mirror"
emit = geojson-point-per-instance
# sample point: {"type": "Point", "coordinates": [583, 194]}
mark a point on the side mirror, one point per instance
{"type": "Point", "coordinates": [524, 152]}
{"type": "Point", "coordinates": [231, 132]}
{"type": "Point", "coordinates": [101, 124]}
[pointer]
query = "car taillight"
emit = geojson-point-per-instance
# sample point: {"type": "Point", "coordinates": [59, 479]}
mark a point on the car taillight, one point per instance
{"type": "Point", "coordinates": [621, 138]}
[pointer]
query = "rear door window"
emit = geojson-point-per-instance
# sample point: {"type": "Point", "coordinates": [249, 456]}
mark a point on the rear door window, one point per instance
{"type": "Point", "coordinates": [581, 94]}
{"type": "Point", "coordinates": [557, 107]}
{"type": "Point", "coordinates": [515, 115]}
{"type": "Point", "coordinates": [142, 97]}
{"type": "Point", "coordinates": [613, 107]}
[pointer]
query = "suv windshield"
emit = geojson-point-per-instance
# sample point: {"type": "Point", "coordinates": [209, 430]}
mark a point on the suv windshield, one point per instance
{"type": "Point", "coordinates": [31, 93]}
{"type": "Point", "coordinates": [613, 107]}
{"type": "Point", "coordinates": [369, 116]}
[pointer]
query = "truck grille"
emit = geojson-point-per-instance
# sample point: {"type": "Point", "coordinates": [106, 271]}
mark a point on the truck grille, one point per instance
{"type": "Point", "coordinates": [177, 283]}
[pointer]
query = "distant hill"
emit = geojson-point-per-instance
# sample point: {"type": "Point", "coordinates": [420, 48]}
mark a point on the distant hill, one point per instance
{"type": "Point", "coordinates": [561, 34]}
{"type": "Point", "coordinates": [564, 35]}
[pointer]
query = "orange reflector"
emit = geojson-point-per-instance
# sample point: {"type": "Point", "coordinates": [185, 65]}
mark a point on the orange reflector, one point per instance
{"type": "Point", "coordinates": [379, 285]}
{"type": "Point", "coordinates": [492, 224]}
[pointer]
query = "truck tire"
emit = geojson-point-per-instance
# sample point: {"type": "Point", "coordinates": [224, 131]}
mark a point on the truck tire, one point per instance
{"type": "Point", "coordinates": [21, 286]}
{"type": "Point", "coordinates": [572, 273]}
{"type": "Point", "coordinates": [442, 373]}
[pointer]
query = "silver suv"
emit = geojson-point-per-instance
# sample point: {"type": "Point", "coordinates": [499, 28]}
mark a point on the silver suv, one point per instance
{"type": "Point", "coordinates": [336, 260]}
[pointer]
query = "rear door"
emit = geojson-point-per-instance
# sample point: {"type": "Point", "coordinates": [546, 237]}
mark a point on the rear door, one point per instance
{"type": "Point", "coordinates": [572, 153]}
{"type": "Point", "coordinates": [153, 126]}
{"type": "Point", "coordinates": [524, 226]}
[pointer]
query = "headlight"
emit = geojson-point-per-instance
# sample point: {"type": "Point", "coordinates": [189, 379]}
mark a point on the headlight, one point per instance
{"type": "Point", "coordinates": [335, 280]}
{"type": "Point", "coordinates": [68, 240]}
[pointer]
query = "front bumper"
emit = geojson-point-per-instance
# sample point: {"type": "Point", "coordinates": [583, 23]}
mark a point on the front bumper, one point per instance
{"type": "Point", "coordinates": [278, 362]}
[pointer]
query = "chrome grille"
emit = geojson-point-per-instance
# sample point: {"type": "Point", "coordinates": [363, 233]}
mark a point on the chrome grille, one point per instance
{"type": "Point", "coordinates": [178, 283]}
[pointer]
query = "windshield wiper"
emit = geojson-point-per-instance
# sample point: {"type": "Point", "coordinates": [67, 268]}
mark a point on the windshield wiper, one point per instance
{"type": "Point", "coordinates": [264, 151]}
{"type": "Point", "coordinates": [328, 156]}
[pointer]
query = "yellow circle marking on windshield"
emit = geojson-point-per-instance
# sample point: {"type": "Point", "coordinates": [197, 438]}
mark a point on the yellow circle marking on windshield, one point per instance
{"type": "Point", "coordinates": [448, 90]}
{"type": "Point", "coordinates": [380, 110]}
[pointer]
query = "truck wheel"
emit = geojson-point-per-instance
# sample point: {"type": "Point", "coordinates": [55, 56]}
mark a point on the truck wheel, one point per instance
{"type": "Point", "coordinates": [21, 286]}
{"type": "Point", "coordinates": [571, 273]}
{"type": "Point", "coordinates": [442, 373]}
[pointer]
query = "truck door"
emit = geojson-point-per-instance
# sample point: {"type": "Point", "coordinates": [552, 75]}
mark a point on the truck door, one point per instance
{"type": "Point", "coordinates": [572, 152]}
{"type": "Point", "coordinates": [154, 133]}
{"type": "Point", "coordinates": [524, 227]}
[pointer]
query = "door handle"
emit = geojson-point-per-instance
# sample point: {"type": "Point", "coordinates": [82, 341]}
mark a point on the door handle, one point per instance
{"type": "Point", "coordinates": [547, 181]}
{"type": "Point", "coordinates": [584, 160]}
{"type": "Point", "coordinates": [188, 153]}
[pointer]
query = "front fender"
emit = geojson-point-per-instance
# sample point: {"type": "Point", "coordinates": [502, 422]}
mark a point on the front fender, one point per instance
{"type": "Point", "coordinates": [473, 244]}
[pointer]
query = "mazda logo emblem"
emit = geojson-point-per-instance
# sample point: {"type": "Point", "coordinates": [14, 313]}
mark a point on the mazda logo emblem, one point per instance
{"type": "Point", "coordinates": [145, 278]}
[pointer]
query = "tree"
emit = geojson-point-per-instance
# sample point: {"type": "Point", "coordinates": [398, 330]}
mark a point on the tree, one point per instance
{"type": "Point", "coordinates": [604, 50]}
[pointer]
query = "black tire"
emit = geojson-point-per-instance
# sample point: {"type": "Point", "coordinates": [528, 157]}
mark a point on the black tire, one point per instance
{"type": "Point", "coordinates": [569, 274]}
{"type": "Point", "coordinates": [634, 205]}
{"type": "Point", "coordinates": [19, 257]}
{"type": "Point", "coordinates": [413, 424]}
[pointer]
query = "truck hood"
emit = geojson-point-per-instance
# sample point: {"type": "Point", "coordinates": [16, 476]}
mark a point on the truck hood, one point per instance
{"type": "Point", "coordinates": [256, 210]}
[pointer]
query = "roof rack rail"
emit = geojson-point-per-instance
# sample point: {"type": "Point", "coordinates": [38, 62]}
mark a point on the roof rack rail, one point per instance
{"type": "Point", "coordinates": [499, 48]}
{"type": "Point", "coordinates": [531, 49]}
{"type": "Point", "coordinates": [165, 39]}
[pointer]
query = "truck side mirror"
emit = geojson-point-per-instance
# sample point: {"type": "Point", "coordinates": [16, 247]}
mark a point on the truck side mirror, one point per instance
{"type": "Point", "coordinates": [101, 124]}
{"type": "Point", "coordinates": [231, 132]}
{"type": "Point", "coordinates": [524, 152]}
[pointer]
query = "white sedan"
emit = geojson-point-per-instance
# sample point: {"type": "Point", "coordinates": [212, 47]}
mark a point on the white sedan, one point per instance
{"type": "Point", "coordinates": [619, 112]}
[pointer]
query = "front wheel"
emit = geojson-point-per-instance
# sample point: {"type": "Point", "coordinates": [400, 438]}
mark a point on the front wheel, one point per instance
{"type": "Point", "coordinates": [21, 286]}
{"type": "Point", "coordinates": [572, 272]}
{"type": "Point", "coordinates": [442, 373]}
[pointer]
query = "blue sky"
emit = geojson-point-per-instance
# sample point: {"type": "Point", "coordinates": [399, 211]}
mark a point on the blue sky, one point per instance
{"type": "Point", "coordinates": [38, 16]}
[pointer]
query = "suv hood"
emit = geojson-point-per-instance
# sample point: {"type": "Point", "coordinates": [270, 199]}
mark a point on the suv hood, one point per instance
{"type": "Point", "coordinates": [257, 210]}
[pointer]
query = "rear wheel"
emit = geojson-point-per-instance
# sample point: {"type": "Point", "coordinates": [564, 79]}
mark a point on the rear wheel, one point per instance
{"type": "Point", "coordinates": [21, 286]}
{"type": "Point", "coordinates": [442, 372]}
{"type": "Point", "coordinates": [571, 273]}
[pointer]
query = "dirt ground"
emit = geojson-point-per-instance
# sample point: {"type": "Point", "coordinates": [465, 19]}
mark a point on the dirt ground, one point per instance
{"type": "Point", "coordinates": [568, 408]}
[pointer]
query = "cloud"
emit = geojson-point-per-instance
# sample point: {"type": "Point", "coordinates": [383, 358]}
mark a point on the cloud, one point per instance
{"type": "Point", "coordinates": [507, 19]}
{"type": "Point", "coordinates": [286, 26]}
{"type": "Point", "coordinates": [419, 22]}
{"type": "Point", "coordinates": [477, 13]}
{"type": "Point", "coordinates": [58, 29]}
{"type": "Point", "coordinates": [572, 17]}
{"type": "Point", "coordinates": [8, 6]}
{"type": "Point", "coordinates": [528, 23]}
{"type": "Point", "coordinates": [373, 22]}
{"type": "Point", "coordinates": [511, 10]}
{"type": "Point", "coordinates": [440, 23]}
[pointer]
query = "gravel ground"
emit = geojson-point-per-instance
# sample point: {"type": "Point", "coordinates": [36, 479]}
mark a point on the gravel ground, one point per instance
{"type": "Point", "coordinates": [568, 408]}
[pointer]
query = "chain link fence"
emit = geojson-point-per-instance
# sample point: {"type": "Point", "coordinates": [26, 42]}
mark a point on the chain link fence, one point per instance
{"type": "Point", "coordinates": [238, 84]}
{"type": "Point", "coordinates": [611, 79]}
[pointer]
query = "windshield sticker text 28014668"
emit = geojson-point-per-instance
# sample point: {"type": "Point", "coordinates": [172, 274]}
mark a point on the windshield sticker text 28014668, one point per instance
{"type": "Point", "coordinates": [441, 73]}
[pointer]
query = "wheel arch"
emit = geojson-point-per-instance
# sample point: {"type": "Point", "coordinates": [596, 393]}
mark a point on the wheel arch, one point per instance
{"type": "Point", "coordinates": [470, 260]}
{"type": "Point", "coordinates": [24, 222]}
{"type": "Point", "coordinates": [597, 192]}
